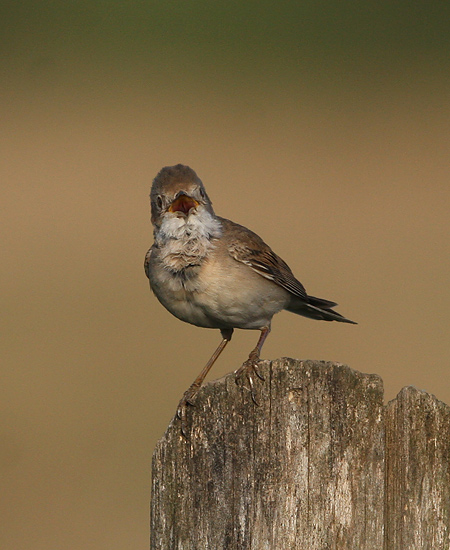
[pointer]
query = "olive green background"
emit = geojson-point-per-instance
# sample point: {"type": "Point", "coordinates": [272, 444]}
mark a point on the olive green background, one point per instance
{"type": "Point", "coordinates": [322, 126]}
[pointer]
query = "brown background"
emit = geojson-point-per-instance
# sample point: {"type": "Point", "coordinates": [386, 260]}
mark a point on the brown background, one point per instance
{"type": "Point", "coordinates": [324, 128]}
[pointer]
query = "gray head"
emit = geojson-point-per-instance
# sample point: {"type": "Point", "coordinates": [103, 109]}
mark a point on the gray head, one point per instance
{"type": "Point", "coordinates": [178, 190]}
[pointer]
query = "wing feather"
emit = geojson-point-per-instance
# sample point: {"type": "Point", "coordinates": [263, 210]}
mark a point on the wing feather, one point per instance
{"type": "Point", "coordinates": [147, 262]}
{"type": "Point", "coordinates": [251, 250]}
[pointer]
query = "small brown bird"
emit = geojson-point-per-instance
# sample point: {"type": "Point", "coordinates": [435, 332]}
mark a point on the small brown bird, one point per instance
{"type": "Point", "coordinates": [213, 273]}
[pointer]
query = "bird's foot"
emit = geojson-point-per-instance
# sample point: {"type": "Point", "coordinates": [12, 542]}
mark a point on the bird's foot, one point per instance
{"type": "Point", "coordinates": [247, 372]}
{"type": "Point", "coordinates": [186, 401]}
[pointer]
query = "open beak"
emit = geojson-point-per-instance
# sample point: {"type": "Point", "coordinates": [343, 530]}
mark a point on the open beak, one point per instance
{"type": "Point", "coordinates": [183, 203]}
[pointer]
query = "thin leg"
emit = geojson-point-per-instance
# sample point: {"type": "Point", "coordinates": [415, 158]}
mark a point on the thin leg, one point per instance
{"type": "Point", "coordinates": [250, 367]}
{"type": "Point", "coordinates": [191, 392]}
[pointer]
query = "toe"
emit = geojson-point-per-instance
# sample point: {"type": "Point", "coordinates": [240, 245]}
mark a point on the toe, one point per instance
{"type": "Point", "coordinates": [258, 372]}
{"type": "Point", "coordinates": [247, 372]}
{"type": "Point", "coordinates": [188, 400]}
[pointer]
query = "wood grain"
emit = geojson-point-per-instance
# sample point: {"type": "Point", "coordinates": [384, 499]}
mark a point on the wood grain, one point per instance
{"type": "Point", "coordinates": [417, 472]}
{"type": "Point", "coordinates": [305, 469]}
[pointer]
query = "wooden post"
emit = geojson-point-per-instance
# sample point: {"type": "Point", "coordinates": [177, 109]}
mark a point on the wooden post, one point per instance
{"type": "Point", "coordinates": [320, 464]}
{"type": "Point", "coordinates": [417, 472]}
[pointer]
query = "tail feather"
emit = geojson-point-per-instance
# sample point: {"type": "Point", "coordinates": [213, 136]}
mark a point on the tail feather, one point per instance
{"type": "Point", "coordinates": [321, 303]}
{"type": "Point", "coordinates": [318, 308]}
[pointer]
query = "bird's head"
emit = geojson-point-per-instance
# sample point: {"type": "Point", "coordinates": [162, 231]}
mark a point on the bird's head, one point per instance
{"type": "Point", "coordinates": [177, 192]}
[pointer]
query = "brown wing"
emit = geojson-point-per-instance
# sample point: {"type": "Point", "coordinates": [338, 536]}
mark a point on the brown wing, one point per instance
{"type": "Point", "coordinates": [246, 247]}
{"type": "Point", "coordinates": [147, 262]}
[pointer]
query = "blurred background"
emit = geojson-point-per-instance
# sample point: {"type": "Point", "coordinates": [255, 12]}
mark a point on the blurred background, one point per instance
{"type": "Point", "coordinates": [322, 126]}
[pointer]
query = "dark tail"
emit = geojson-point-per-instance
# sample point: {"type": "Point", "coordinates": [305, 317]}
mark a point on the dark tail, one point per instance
{"type": "Point", "coordinates": [317, 308]}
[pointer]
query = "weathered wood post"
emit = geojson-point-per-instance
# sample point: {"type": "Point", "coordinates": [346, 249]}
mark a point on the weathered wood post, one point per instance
{"type": "Point", "coordinates": [320, 464]}
{"type": "Point", "coordinates": [417, 472]}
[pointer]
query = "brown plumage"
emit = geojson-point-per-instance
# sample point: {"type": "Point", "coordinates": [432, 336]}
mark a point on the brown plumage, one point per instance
{"type": "Point", "coordinates": [214, 273]}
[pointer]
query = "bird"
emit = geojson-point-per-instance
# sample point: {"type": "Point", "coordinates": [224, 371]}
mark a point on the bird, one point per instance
{"type": "Point", "coordinates": [214, 273]}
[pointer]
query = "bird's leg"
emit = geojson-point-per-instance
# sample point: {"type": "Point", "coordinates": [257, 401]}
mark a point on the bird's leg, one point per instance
{"type": "Point", "coordinates": [250, 367]}
{"type": "Point", "coordinates": [191, 392]}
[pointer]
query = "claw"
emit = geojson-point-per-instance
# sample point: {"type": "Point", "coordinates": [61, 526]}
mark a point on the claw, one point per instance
{"type": "Point", "coordinates": [186, 401]}
{"type": "Point", "coordinates": [258, 372]}
{"type": "Point", "coordinates": [248, 370]}
{"type": "Point", "coordinates": [252, 391]}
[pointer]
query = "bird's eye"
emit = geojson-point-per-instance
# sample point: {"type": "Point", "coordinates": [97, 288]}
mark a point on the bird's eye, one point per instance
{"type": "Point", "coordinates": [202, 193]}
{"type": "Point", "coordinates": [159, 201]}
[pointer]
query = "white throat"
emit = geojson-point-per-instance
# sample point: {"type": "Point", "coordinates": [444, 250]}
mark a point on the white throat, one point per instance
{"type": "Point", "coordinates": [185, 241]}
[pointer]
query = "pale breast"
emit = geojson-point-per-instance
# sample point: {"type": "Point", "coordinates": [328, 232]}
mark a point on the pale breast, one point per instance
{"type": "Point", "coordinates": [203, 285]}
{"type": "Point", "coordinates": [180, 294]}
{"type": "Point", "coordinates": [237, 295]}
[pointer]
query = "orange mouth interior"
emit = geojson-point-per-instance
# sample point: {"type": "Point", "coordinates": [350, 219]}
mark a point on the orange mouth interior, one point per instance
{"type": "Point", "coordinates": [183, 204]}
